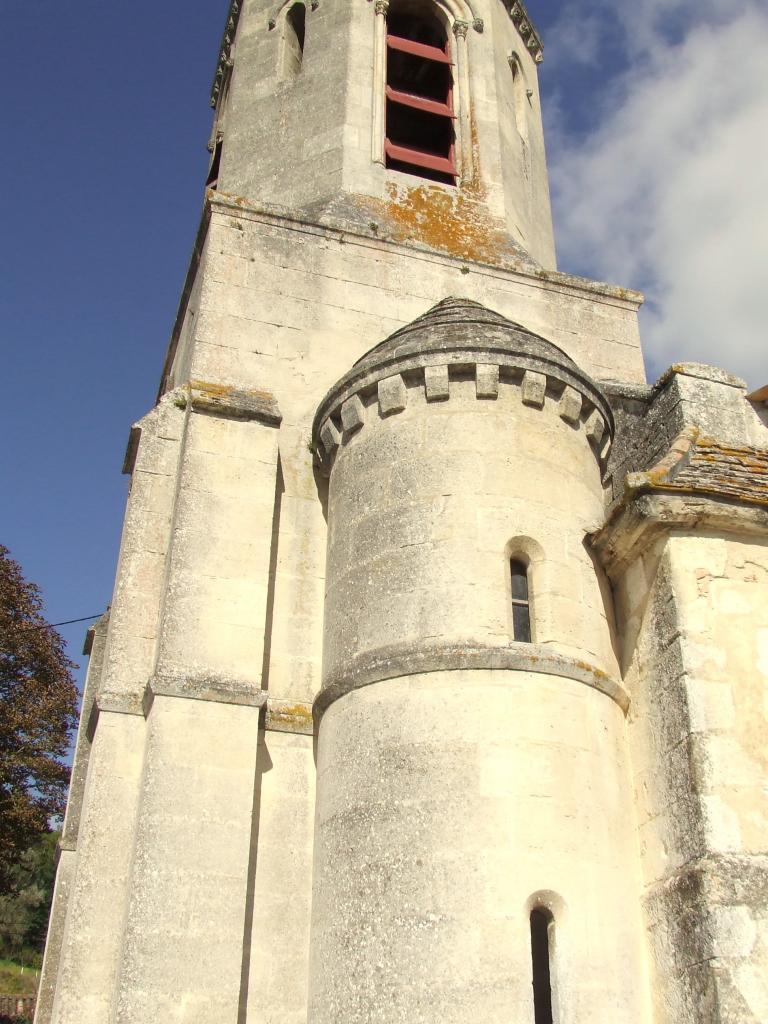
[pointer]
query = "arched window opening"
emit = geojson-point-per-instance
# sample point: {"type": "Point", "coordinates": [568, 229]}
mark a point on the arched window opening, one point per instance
{"type": "Point", "coordinates": [521, 604]}
{"type": "Point", "coordinates": [293, 40]}
{"type": "Point", "coordinates": [420, 136]}
{"type": "Point", "coordinates": [542, 926]}
{"type": "Point", "coordinates": [520, 98]}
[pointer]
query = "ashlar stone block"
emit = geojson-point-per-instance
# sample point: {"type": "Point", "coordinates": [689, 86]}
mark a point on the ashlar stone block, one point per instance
{"type": "Point", "coordinates": [569, 406]}
{"type": "Point", "coordinates": [352, 414]}
{"type": "Point", "coordinates": [393, 395]}
{"type": "Point", "coordinates": [534, 388]}
{"type": "Point", "coordinates": [436, 387]}
{"type": "Point", "coordinates": [487, 380]}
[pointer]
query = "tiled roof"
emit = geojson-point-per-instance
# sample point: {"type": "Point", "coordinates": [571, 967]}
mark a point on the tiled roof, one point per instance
{"type": "Point", "coordinates": [698, 465]}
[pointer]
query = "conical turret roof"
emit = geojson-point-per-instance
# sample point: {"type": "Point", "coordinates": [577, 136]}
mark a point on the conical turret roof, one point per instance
{"type": "Point", "coordinates": [462, 334]}
{"type": "Point", "coordinates": [456, 323]}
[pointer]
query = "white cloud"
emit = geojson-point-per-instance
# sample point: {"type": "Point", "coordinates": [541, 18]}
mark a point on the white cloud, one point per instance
{"type": "Point", "coordinates": [577, 39]}
{"type": "Point", "coordinates": [670, 192]}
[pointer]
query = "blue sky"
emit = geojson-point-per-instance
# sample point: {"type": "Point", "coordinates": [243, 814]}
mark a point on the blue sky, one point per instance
{"type": "Point", "coordinates": [658, 170]}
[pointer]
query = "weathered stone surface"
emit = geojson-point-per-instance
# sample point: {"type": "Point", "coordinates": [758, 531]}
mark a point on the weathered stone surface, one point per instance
{"type": "Point", "coordinates": [417, 553]}
{"type": "Point", "coordinates": [235, 402]}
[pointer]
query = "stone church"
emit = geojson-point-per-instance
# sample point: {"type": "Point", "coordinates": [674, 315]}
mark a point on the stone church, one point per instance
{"type": "Point", "coordinates": [434, 688]}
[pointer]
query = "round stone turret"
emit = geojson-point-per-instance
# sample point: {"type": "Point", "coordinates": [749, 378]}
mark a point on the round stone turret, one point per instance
{"type": "Point", "coordinates": [459, 442]}
{"type": "Point", "coordinates": [471, 719]}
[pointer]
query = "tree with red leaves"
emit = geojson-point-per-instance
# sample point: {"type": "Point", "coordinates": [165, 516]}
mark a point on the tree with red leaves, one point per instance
{"type": "Point", "coordinates": [38, 709]}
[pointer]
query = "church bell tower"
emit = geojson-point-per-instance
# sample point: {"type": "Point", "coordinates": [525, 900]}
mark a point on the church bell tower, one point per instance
{"type": "Point", "coordinates": [383, 725]}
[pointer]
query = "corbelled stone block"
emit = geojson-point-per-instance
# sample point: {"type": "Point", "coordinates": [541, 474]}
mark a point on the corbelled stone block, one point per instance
{"type": "Point", "coordinates": [352, 414]}
{"type": "Point", "coordinates": [595, 428]}
{"type": "Point", "coordinates": [569, 406]}
{"type": "Point", "coordinates": [436, 386]}
{"type": "Point", "coordinates": [393, 395]}
{"type": "Point", "coordinates": [487, 378]}
{"type": "Point", "coordinates": [330, 437]}
{"type": "Point", "coordinates": [534, 388]}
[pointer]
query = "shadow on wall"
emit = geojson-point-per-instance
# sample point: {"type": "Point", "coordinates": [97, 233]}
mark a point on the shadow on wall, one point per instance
{"type": "Point", "coordinates": [263, 765]}
{"type": "Point", "coordinates": [270, 611]}
{"type": "Point", "coordinates": [607, 598]}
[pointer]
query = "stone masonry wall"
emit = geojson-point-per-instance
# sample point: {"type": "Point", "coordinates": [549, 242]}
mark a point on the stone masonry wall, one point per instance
{"type": "Point", "coordinates": [695, 609]}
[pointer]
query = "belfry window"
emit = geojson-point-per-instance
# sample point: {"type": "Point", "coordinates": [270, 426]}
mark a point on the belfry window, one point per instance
{"type": "Point", "coordinates": [542, 925]}
{"type": "Point", "coordinates": [521, 604]}
{"type": "Point", "coordinates": [420, 136]}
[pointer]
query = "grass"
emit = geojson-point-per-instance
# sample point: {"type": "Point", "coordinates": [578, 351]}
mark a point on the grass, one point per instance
{"type": "Point", "coordinates": [16, 980]}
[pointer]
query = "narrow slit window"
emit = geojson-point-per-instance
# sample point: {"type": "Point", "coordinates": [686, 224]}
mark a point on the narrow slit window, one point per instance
{"type": "Point", "coordinates": [293, 40]}
{"type": "Point", "coordinates": [541, 925]}
{"type": "Point", "coordinates": [420, 136]}
{"type": "Point", "coordinates": [521, 605]}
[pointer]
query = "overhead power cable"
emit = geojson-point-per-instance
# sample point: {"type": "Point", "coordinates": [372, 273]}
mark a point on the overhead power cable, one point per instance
{"type": "Point", "coordinates": [54, 625]}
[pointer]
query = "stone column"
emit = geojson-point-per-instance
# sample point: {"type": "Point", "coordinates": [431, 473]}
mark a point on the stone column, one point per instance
{"type": "Point", "coordinates": [463, 122]}
{"type": "Point", "coordinates": [379, 105]}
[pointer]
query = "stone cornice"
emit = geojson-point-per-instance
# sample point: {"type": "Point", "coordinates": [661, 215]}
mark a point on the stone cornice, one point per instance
{"type": "Point", "coordinates": [524, 26]}
{"type": "Point", "coordinates": [638, 523]}
{"type": "Point", "coordinates": [408, 659]}
{"type": "Point", "coordinates": [333, 227]}
{"type": "Point", "coordinates": [219, 689]}
{"type": "Point", "coordinates": [225, 50]}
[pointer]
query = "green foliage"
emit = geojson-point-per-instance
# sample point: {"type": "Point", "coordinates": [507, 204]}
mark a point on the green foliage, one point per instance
{"type": "Point", "coordinates": [24, 913]}
{"type": "Point", "coordinates": [17, 979]}
{"type": "Point", "coordinates": [38, 709]}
